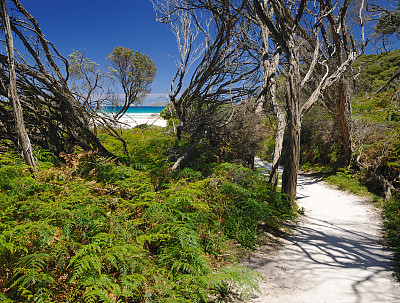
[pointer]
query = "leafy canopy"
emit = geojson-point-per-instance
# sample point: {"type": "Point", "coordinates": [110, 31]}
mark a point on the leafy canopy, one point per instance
{"type": "Point", "coordinates": [389, 23]}
{"type": "Point", "coordinates": [134, 71]}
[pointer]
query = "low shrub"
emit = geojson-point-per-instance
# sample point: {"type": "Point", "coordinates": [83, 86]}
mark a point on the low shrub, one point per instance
{"type": "Point", "coordinates": [391, 211]}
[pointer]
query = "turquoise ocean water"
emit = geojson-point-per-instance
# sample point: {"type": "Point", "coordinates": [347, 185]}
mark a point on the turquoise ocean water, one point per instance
{"type": "Point", "coordinates": [139, 112]}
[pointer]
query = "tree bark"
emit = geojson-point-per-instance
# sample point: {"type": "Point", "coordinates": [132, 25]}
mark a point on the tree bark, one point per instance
{"type": "Point", "coordinates": [280, 118]}
{"type": "Point", "coordinates": [337, 103]}
{"type": "Point", "coordinates": [23, 138]}
{"type": "Point", "coordinates": [289, 177]}
{"type": "Point", "coordinates": [269, 85]}
{"type": "Point", "coordinates": [343, 121]}
{"type": "Point", "coordinates": [279, 134]}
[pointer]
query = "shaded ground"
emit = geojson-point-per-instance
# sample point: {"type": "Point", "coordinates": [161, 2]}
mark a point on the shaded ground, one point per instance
{"type": "Point", "coordinates": [335, 254]}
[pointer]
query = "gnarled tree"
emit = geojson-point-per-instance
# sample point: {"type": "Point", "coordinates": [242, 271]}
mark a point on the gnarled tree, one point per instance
{"type": "Point", "coordinates": [23, 138]}
{"type": "Point", "coordinates": [224, 76]}
{"type": "Point", "coordinates": [293, 27]}
{"type": "Point", "coordinates": [53, 118]}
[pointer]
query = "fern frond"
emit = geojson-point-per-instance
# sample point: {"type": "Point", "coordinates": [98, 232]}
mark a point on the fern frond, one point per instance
{"type": "Point", "coordinates": [87, 261]}
{"type": "Point", "coordinates": [133, 285]}
{"type": "Point", "coordinates": [103, 289]}
{"type": "Point", "coordinates": [8, 247]}
{"type": "Point", "coordinates": [4, 299]}
{"type": "Point", "coordinates": [35, 261]}
{"type": "Point", "coordinates": [153, 237]}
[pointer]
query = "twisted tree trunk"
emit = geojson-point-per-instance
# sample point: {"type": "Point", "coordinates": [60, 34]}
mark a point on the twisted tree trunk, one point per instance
{"type": "Point", "coordinates": [268, 94]}
{"type": "Point", "coordinates": [23, 138]}
{"type": "Point", "coordinates": [279, 134]}
{"type": "Point", "coordinates": [44, 104]}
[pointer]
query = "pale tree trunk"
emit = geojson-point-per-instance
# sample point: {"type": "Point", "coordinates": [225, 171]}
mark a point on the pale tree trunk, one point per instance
{"type": "Point", "coordinates": [23, 138]}
{"type": "Point", "coordinates": [269, 85]}
{"type": "Point", "coordinates": [259, 112]}
{"type": "Point", "coordinates": [279, 133]}
{"type": "Point", "coordinates": [280, 119]}
{"type": "Point", "coordinates": [337, 103]}
{"type": "Point", "coordinates": [285, 36]}
{"type": "Point", "coordinates": [288, 32]}
{"type": "Point", "coordinates": [289, 177]}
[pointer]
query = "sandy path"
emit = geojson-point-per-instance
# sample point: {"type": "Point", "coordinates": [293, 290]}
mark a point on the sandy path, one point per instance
{"type": "Point", "coordinates": [334, 255]}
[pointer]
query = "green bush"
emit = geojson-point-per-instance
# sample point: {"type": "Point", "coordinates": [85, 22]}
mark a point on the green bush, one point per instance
{"type": "Point", "coordinates": [148, 148]}
{"type": "Point", "coordinates": [391, 213]}
{"type": "Point", "coordinates": [250, 200]}
{"type": "Point", "coordinates": [100, 169]}
{"type": "Point", "coordinates": [7, 174]}
{"type": "Point", "coordinates": [190, 174]}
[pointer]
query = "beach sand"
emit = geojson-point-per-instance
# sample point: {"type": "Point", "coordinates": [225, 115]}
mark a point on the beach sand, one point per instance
{"type": "Point", "coordinates": [154, 119]}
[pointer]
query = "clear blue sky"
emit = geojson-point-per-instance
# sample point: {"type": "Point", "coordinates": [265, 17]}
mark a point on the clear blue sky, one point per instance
{"type": "Point", "coordinates": [98, 26]}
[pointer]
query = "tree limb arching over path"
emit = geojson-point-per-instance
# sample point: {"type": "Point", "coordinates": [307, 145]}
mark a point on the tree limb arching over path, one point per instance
{"type": "Point", "coordinates": [336, 253]}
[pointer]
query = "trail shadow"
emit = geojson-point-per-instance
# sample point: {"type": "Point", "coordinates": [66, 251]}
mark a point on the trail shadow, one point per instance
{"type": "Point", "coordinates": [323, 245]}
{"type": "Point", "coordinates": [320, 252]}
{"type": "Point", "coordinates": [340, 246]}
{"type": "Point", "coordinates": [303, 180]}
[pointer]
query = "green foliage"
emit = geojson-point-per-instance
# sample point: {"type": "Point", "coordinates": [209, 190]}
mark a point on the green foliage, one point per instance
{"type": "Point", "coordinates": [190, 174]}
{"type": "Point", "coordinates": [87, 81]}
{"type": "Point", "coordinates": [376, 70]}
{"type": "Point", "coordinates": [250, 200]}
{"type": "Point", "coordinates": [7, 174]}
{"type": "Point", "coordinates": [10, 158]}
{"type": "Point", "coordinates": [389, 23]}
{"type": "Point", "coordinates": [148, 148]}
{"type": "Point", "coordinates": [134, 71]}
{"type": "Point", "coordinates": [100, 169]}
{"type": "Point", "coordinates": [376, 117]}
{"type": "Point", "coordinates": [320, 146]}
{"type": "Point", "coordinates": [374, 128]}
{"type": "Point", "coordinates": [80, 66]}
{"type": "Point", "coordinates": [168, 113]}
{"type": "Point", "coordinates": [94, 230]}
{"type": "Point", "coordinates": [347, 181]}
{"type": "Point", "coordinates": [391, 209]}
{"type": "Point", "coordinates": [268, 145]}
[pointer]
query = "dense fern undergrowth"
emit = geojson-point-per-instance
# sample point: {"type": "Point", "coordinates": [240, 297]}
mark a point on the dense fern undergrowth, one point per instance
{"type": "Point", "coordinates": [92, 230]}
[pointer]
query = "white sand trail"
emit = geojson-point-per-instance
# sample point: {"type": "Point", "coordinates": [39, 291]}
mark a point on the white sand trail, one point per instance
{"type": "Point", "coordinates": [336, 253]}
